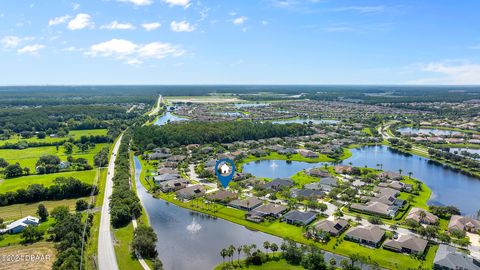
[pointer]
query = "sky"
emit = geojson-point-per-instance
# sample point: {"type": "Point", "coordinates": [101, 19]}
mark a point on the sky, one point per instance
{"type": "Point", "coordinates": [239, 42]}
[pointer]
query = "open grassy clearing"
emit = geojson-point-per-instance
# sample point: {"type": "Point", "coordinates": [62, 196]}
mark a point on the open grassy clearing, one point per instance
{"type": "Point", "coordinates": [17, 211]}
{"type": "Point", "coordinates": [75, 134]}
{"type": "Point", "coordinates": [28, 157]}
{"type": "Point", "coordinates": [13, 184]}
{"type": "Point", "coordinates": [40, 248]}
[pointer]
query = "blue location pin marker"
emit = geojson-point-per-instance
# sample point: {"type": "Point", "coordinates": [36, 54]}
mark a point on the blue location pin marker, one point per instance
{"type": "Point", "coordinates": [225, 170]}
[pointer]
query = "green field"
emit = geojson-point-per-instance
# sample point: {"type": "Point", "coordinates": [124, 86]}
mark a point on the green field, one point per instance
{"type": "Point", "coordinates": [28, 157]}
{"type": "Point", "coordinates": [17, 211]}
{"type": "Point", "coordinates": [75, 134]}
{"type": "Point", "coordinates": [45, 179]}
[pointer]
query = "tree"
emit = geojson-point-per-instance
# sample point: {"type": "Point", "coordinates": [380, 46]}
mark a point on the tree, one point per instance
{"type": "Point", "coordinates": [313, 259]}
{"type": "Point", "coordinates": [144, 241]}
{"type": "Point", "coordinates": [60, 212]}
{"type": "Point", "coordinates": [266, 246]}
{"type": "Point", "coordinates": [239, 251]}
{"type": "Point", "coordinates": [42, 212]}
{"type": "Point", "coordinates": [157, 264]}
{"type": "Point", "coordinates": [3, 163]}
{"type": "Point", "coordinates": [274, 248]}
{"type": "Point", "coordinates": [41, 135]}
{"type": "Point", "coordinates": [81, 205]}
{"type": "Point", "coordinates": [31, 234]}
{"type": "Point", "coordinates": [223, 253]}
{"type": "Point", "coordinates": [68, 146]}
{"type": "Point", "coordinates": [13, 170]}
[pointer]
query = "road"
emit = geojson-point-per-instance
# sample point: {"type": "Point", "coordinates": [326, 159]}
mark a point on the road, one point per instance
{"type": "Point", "coordinates": [106, 253]}
{"type": "Point", "coordinates": [155, 110]}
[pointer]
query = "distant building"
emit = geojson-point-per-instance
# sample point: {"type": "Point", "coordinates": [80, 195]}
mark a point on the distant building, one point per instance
{"type": "Point", "coordinates": [19, 225]}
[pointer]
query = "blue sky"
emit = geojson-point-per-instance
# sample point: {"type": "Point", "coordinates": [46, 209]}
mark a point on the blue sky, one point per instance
{"type": "Point", "coordinates": [239, 42]}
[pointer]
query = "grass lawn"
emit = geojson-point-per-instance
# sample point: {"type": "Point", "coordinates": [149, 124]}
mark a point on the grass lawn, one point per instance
{"type": "Point", "coordinates": [13, 184]}
{"type": "Point", "coordinates": [28, 157]}
{"type": "Point", "coordinates": [419, 200]}
{"type": "Point", "coordinates": [301, 178]}
{"type": "Point", "coordinates": [385, 258]}
{"type": "Point", "coordinates": [271, 265]}
{"type": "Point", "coordinates": [40, 248]}
{"type": "Point", "coordinates": [17, 211]}
{"type": "Point", "coordinates": [125, 259]}
{"type": "Point", "coordinates": [75, 134]}
{"type": "Point", "coordinates": [367, 131]}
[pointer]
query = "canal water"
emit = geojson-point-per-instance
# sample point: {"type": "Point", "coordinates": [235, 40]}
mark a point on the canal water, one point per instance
{"type": "Point", "coordinates": [449, 187]}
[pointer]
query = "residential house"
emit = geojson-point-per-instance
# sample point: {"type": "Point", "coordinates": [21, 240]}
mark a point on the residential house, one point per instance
{"type": "Point", "coordinates": [308, 153]}
{"type": "Point", "coordinates": [407, 244]}
{"type": "Point", "coordinates": [270, 209]}
{"type": "Point", "coordinates": [191, 192]}
{"type": "Point", "coordinates": [173, 185]}
{"type": "Point", "coordinates": [19, 225]}
{"type": "Point", "coordinates": [342, 169]}
{"type": "Point", "coordinates": [369, 235]}
{"type": "Point", "coordinates": [165, 177]}
{"type": "Point", "coordinates": [448, 258]}
{"type": "Point", "coordinates": [376, 208]}
{"type": "Point", "coordinates": [421, 216]}
{"type": "Point", "coordinates": [388, 175]}
{"type": "Point", "coordinates": [278, 184]}
{"type": "Point", "coordinates": [246, 204]}
{"type": "Point", "coordinates": [306, 193]}
{"type": "Point", "coordinates": [334, 227]}
{"type": "Point", "coordinates": [462, 223]}
{"type": "Point", "coordinates": [223, 196]}
{"type": "Point", "coordinates": [296, 217]}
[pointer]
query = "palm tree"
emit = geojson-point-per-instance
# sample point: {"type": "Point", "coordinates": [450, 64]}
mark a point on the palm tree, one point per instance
{"type": "Point", "coordinates": [400, 171]}
{"type": "Point", "coordinates": [266, 246]}
{"type": "Point", "coordinates": [239, 250]}
{"type": "Point", "coordinates": [231, 251]}
{"type": "Point", "coordinates": [410, 175]}
{"type": "Point", "coordinates": [224, 254]}
{"type": "Point", "coordinates": [247, 250]}
{"type": "Point", "coordinates": [273, 248]}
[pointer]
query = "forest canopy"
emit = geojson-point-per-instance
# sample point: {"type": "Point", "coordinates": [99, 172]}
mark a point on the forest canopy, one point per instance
{"type": "Point", "coordinates": [197, 132]}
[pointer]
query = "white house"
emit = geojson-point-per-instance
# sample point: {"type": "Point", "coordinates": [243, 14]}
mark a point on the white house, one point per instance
{"type": "Point", "coordinates": [18, 225]}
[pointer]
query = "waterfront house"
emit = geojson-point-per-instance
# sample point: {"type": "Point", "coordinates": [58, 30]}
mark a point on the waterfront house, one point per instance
{"type": "Point", "coordinates": [334, 227]}
{"type": "Point", "coordinates": [306, 193]}
{"type": "Point", "coordinates": [165, 177]}
{"type": "Point", "coordinates": [270, 209]}
{"type": "Point", "coordinates": [407, 244]}
{"type": "Point", "coordinates": [191, 192]}
{"type": "Point", "coordinates": [246, 204]}
{"type": "Point", "coordinates": [223, 196]}
{"type": "Point", "coordinates": [173, 185]}
{"type": "Point", "coordinates": [448, 258]}
{"type": "Point", "coordinates": [426, 218]}
{"type": "Point", "coordinates": [370, 235]}
{"type": "Point", "coordinates": [278, 184]}
{"type": "Point", "coordinates": [296, 217]}
{"type": "Point", "coordinates": [462, 223]}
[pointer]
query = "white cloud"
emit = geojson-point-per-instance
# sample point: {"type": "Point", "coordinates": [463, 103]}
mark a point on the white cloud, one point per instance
{"type": "Point", "coordinates": [31, 49]}
{"type": "Point", "coordinates": [75, 6]}
{"type": "Point", "coordinates": [151, 26]}
{"type": "Point", "coordinates": [132, 53]}
{"type": "Point", "coordinates": [118, 26]}
{"type": "Point", "coordinates": [58, 20]}
{"type": "Point", "coordinates": [73, 49]}
{"type": "Point", "coordinates": [182, 3]}
{"type": "Point", "coordinates": [81, 21]}
{"type": "Point", "coordinates": [10, 41]}
{"type": "Point", "coordinates": [450, 73]}
{"type": "Point", "coordinates": [138, 2]}
{"type": "Point", "coordinates": [240, 20]}
{"type": "Point", "coordinates": [182, 26]}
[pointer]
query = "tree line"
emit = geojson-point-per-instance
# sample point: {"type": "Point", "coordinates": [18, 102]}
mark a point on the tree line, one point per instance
{"type": "Point", "coordinates": [197, 132]}
{"type": "Point", "coordinates": [62, 188]}
{"type": "Point", "coordinates": [124, 203]}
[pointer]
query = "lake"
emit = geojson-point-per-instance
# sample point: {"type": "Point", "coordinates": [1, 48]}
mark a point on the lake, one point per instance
{"type": "Point", "coordinates": [449, 187]}
{"type": "Point", "coordinates": [167, 118]}
{"type": "Point", "coordinates": [437, 132]}
{"type": "Point", "coordinates": [247, 105]}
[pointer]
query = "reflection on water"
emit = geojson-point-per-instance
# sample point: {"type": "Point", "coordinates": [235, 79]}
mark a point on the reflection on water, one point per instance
{"type": "Point", "coordinates": [167, 118]}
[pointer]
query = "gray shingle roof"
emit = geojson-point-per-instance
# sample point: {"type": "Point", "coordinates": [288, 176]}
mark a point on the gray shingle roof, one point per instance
{"type": "Point", "coordinates": [448, 256]}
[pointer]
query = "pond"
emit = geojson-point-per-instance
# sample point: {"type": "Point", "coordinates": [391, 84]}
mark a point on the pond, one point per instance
{"type": "Point", "coordinates": [305, 120]}
{"type": "Point", "coordinates": [427, 131]}
{"type": "Point", "coordinates": [276, 168]}
{"type": "Point", "coordinates": [449, 187]}
{"type": "Point", "coordinates": [167, 118]}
